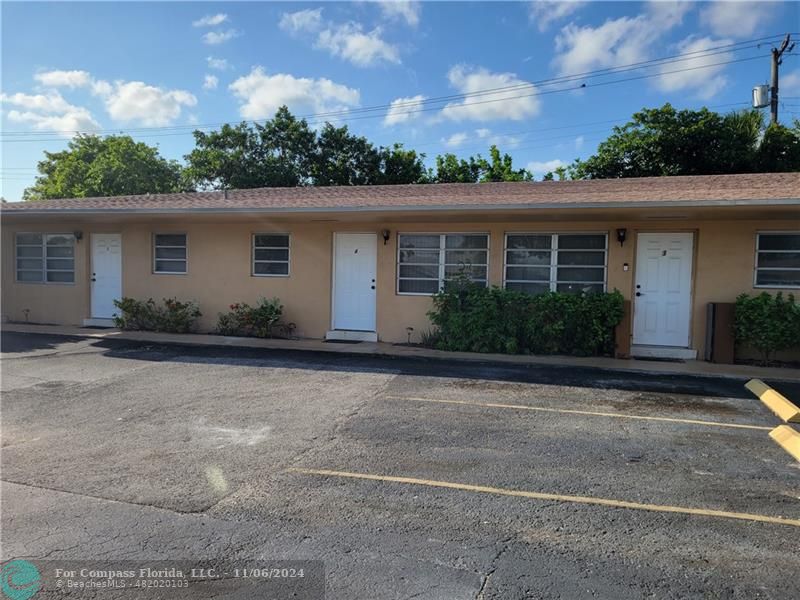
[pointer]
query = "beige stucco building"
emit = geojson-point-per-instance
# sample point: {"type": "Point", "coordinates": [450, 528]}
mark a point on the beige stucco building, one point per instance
{"type": "Point", "coordinates": [362, 262]}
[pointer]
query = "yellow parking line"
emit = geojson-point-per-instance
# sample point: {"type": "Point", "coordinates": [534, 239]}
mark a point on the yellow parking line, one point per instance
{"type": "Point", "coordinates": [582, 412]}
{"type": "Point", "coordinates": [702, 512]}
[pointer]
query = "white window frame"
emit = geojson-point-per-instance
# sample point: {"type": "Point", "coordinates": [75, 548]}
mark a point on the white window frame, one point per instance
{"type": "Point", "coordinates": [186, 246]}
{"type": "Point", "coordinates": [44, 269]}
{"type": "Point", "coordinates": [442, 253]}
{"type": "Point", "coordinates": [756, 268]}
{"type": "Point", "coordinates": [553, 280]}
{"type": "Point", "coordinates": [288, 249]}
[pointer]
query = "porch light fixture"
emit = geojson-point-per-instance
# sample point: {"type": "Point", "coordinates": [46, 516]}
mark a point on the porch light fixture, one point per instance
{"type": "Point", "coordinates": [386, 234]}
{"type": "Point", "coordinates": [621, 233]}
{"type": "Point", "coordinates": [78, 235]}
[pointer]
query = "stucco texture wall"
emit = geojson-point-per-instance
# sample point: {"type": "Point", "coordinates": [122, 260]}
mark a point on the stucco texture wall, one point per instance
{"type": "Point", "coordinates": [219, 271]}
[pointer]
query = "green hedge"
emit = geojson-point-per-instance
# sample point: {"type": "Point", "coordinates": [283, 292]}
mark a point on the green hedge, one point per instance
{"type": "Point", "coordinates": [172, 316]}
{"type": "Point", "coordinates": [246, 320]}
{"type": "Point", "coordinates": [473, 318]}
{"type": "Point", "coordinates": [767, 323]}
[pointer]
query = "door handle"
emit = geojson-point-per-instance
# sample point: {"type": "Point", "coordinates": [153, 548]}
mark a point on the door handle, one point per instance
{"type": "Point", "coordinates": [373, 287]}
{"type": "Point", "coordinates": [638, 293]}
{"type": "Point", "coordinates": [93, 279]}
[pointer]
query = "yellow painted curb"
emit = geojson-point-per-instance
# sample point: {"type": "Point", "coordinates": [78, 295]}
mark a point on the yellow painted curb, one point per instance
{"type": "Point", "coordinates": [777, 403]}
{"type": "Point", "coordinates": [788, 439]}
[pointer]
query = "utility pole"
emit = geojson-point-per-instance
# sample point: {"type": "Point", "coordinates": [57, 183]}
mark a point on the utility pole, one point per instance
{"type": "Point", "coordinates": [776, 62]}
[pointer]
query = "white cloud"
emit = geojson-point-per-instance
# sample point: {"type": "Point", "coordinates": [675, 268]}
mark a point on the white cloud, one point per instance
{"type": "Point", "coordinates": [349, 42]}
{"type": "Point", "coordinates": [101, 88]}
{"type": "Point", "coordinates": [68, 123]}
{"type": "Point", "coordinates": [455, 140]}
{"type": "Point", "coordinates": [49, 112]}
{"type": "Point", "coordinates": [403, 110]}
{"type": "Point", "coordinates": [51, 102]}
{"type": "Point", "coordinates": [70, 79]}
{"type": "Point", "coordinates": [125, 101]}
{"type": "Point", "coordinates": [541, 167]}
{"type": "Point", "coordinates": [737, 19]}
{"type": "Point", "coordinates": [705, 81]}
{"type": "Point", "coordinates": [666, 14]}
{"type": "Point", "coordinates": [302, 20]}
{"type": "Point", "coordinates": [515, 104]}
{"type": "Point", "coordinates": [211, 20]}
{"type": "Point", "coordinates": [616, 42]}
{"type": "Point", "coordinates": [790, 83]}
{"type": "Point", "coordinates": [500, 140]}
{"type": "Point", "coordinates": [405, 10]}
{"type": "Point", "coordinates": [579, 141]}
{"type": "Point", "coordinates": [146, 104]}
{"type": "Point", "coordinates": [219, 64]}
{"type": "Point", "coordinates": [345, 40]}
{"type": "Point", "coordinates": [215, 38]}
{"type": "Point", "coordinates": [261, 94]}
{"type": "Point", "coordinates": [546, 12]}
{"type": "Point", "coordinates": [210, 82]}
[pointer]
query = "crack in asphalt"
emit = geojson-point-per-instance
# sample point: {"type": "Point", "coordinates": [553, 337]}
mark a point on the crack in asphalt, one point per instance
{"type": "Point", "coordinates": [493, 567]}
{"type": "Point", "coordinates": [104, 499]}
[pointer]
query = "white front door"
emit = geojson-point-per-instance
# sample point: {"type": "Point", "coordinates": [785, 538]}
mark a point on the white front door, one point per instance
{"type": "Point", "coordinates": [106, 274]}
{"type": "Point", "coordinates": [663, 289]}
{"type": "Point", "coordinates": [354, 274]}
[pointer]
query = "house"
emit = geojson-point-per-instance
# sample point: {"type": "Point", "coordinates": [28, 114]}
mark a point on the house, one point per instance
{"type": "Point", "coordinates": [362, 262]}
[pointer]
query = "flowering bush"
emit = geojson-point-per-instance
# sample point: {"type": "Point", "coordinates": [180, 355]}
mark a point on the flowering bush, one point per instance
{"type": "Point", "coordinates": [246, 320]}
{"type": "Point", "coordinates": [173, 317]}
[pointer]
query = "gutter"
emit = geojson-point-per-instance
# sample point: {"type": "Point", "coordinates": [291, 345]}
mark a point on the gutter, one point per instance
{"type": "Point", "coordinates": [406, 208]}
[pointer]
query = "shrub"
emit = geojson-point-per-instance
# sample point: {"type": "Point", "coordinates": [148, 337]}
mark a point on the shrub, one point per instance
{"type": "Point", "coordinates": [173, 317]}
{"type": "Point", "coordinates": [767, 323]}
{"type": "Point", "coordinates": [473, 318]}
{"type": "Point", "coordinates": [246, 320]}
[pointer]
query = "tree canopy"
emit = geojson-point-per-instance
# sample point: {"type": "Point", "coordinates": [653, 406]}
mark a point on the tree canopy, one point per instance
{"type": "Point", "coordinates": [109, 166]}
{"type": "Point", "coordinates": [286, 152]}
{"type": "Point", "coordinates": [665, 141]}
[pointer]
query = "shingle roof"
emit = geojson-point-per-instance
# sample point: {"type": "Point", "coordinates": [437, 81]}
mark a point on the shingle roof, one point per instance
{"type": "Point", "coordinates": [703, 190]}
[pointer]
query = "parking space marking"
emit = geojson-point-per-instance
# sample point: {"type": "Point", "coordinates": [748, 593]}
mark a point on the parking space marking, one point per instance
{"type": "Point", "coordinates": [588, 413]}
{"type": "Point", "coordinates": [698, 512]}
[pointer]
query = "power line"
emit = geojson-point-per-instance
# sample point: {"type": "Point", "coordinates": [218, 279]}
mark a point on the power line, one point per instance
{"type": "Point", "coordinates": [470, 104]}
{"type": "Point", "coordinates": [461, 148]}
{"type": "Point", "coordinates": [347, 114]}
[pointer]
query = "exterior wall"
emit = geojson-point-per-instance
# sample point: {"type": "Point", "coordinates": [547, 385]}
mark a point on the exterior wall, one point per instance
{"type": "Point", "coordinates": [219, 265]}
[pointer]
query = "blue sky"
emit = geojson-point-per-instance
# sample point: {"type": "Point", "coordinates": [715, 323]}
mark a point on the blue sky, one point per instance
{"type": "Point", "coordinates": [158, 69]}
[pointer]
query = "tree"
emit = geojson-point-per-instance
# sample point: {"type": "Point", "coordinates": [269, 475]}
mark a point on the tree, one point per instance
{"type": "Point", "coordinates": [399, 165]}
{"type": "Point", "coordinates": [562, 173]}
{"type": "Point", "coordinates": [501, 168]}
{"type": "Point", "coordinates": [345, 159]}
{"type": "Point", "coordinates": [451, 169]}
{"type": "Point", "coordinates": [779, 150]}
{"type": "Point", "coordinates": [665, 141]}
{"type": "Point", "coordinates": [111, 166]}
{"type": "Point", "coordinates": [279, 153]}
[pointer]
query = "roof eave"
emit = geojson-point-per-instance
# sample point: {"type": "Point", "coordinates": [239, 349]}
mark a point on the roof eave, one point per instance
{"type": "Point", "coordinates": [408, 208]}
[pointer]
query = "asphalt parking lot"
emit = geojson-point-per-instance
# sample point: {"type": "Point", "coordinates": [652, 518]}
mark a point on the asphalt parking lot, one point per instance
{"type": "Point", "coordinates": [408, 479]}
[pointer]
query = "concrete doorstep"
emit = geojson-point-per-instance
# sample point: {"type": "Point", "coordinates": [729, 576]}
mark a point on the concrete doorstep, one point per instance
{"type": "Point", "coordinates": [690, 367]}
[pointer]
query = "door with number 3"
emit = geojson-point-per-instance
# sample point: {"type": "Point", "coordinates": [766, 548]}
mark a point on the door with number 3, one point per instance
{"type": "Point", "coordinates": [663, 289]}
{"type": "Point", "coordinates": [106, 274]}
